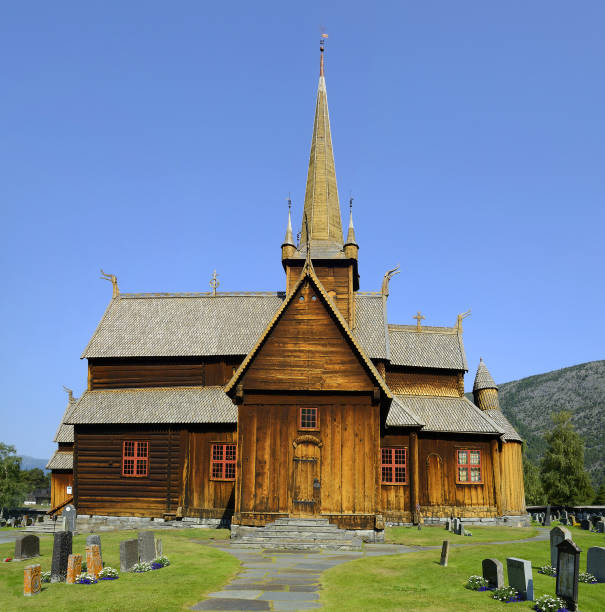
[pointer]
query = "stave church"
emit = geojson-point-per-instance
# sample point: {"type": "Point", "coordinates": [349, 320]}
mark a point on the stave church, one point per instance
{"type": "Point", "coordinates": [303, 403]}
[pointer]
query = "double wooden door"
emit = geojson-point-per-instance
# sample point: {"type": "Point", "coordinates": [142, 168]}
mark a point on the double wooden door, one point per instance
{"type": "Point", "coordinates": [306, 490]}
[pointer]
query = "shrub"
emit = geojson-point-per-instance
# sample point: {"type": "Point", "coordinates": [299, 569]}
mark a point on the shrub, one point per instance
{"type": "Point", "coordinates": [45, 576]}
{"type": "Point", "coordinates": [162, 561]}
{"type": "Point", "coordinates": [549, 603]}
{"type": "Point", "coordinates": [85, 578]}
{"type": "Point", "coordinates": [506, 594]}
{"type": "Point", "coordinates": [548, 570]}
{"type": "Point", "coordinates": [586, 577]}
{"type": "Point", "coordinates": [108, 573]}
{"type": "Point", "coordinates": [476, 583]}
{"type": "Point", "coordinates": [142, 566]}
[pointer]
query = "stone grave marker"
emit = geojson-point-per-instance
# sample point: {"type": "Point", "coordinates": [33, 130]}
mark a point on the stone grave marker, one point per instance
{"type": "Point", "coordinates": [493, 572]}
{"type": "Point", "coordinates": [448, 523]}
{"type": "Point", "coordinates": [462, 530]}
{"type": "Point", "coordinates": [69, 518]}
{"type": "Point", "coordinates": [601, 526]}
{"type": "Point", "coordinates": [445, 553]}
{"type": "Point", "coordinates": [94, 539]}
{"type": "Point", "coordinates": [563, 520]}
{"type": "Point", "coordinates": [557, 535]}
{"type": "Point", "coordinates": [61, 552]}
{"type": "Point", "coordinates": [146, 546]}
{"type": "Point", "coordinates": [568, 569]}
{"type": "Point", "coordinates": [26, 547]}
{"type": "Point", "coordinates": [520, 577]}
{"type": "Point", "coordinates": [158, 548]}
{"type": "Point", "coordinates": [74, 568]}
{"type": "Point", "coordinates": [32, 580]}
{"type": "Point", "coordinates": [547, 517]}
{"type": "Point", "coordinates": [585, 524]}
{"type": "Point", "coordinates": [595, 562]}
{"type": "Point", "coordinates": [129, 554]}
{"type": "Point", "coordinates": [93, 560]}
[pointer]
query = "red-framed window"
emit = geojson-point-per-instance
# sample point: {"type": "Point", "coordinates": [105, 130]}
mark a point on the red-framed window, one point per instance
{"type": "Point", "coordinates": [222, 464]}
{"type": "Point", "coordinates": [135, 458]}
{"type": "Point", "coordinates": [394, 465]}
{"type": "Point", "coordinates": [469, 466]}
{"type": "Point", "coordinates": [308, 418]}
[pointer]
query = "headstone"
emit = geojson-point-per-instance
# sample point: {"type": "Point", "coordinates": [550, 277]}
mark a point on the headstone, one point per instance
{"type": "Point", "coordinates": [29, 522]}
{"type": "Point", "coordinates": [448, 523]}
{"type": "Point", "coordinates": [601, 526]}
{"type": "Point", "coordinates": [94, 539]}
{"type": "Point", "coordinates": [74, 568]}
{"type": "Point", "coordinates": [547, 517]}
{"type": "Point", "coordinates": [563, 520]}
{"type": "Point", "coordinates": [493, 572]}
{"type": "Point", "coordinates": [61, 552]}
{"type": "Point", "coordinates": [93, 560]}
{"type": "Point", "coordinates": [69, 518]}
{"type": "Point", "coordinates": [520, 577]}
{"type": "Point", "coordinates": [462, 530]}
{"type": "Point", "coordinates": [146, 546]}
{"type": "Point", "coordinates": [568, 570]}
{"type": "Point", "coordinates": [595, 562]}
{"type": "Point", "coordinates": [129, 554]}
{"type": "Point", "coordinates": [557, 535]}
{"type": "Point", "coordinates": [445, 552]}
{"type": "Point", "coordinates": [158, 548]}
{"type": "Point", "coordinates": [32, 580]}
{"type": "Point", "coordinates": [26, 547]}
{"type": "Point", "coordinates": [585, 524]}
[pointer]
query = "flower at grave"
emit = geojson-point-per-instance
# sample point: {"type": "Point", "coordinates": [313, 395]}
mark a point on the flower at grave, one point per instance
{"type": "Point", "coordinates": [8, 559]}
{"type": "Point", "coordinates": [161, 561]}
{"type": "Point", "coordinates": [85, 578]}
{"type": "Point", "coordinates": [476, 583]}
{"type": "Point", "coordinates": [108, 573]}
{"type": "Point", "coordinates": [586, 577]}
{"type": "Point", "coordinates": [142, 566]}
{"type": "Point", "coordinates": [506, 594]}
{"type": "Point", "coordinates": [548, 570]}
{"type": "Point", "coordinates": [45, 577]}
{"type": "Point", "coordinates": [549, 603]}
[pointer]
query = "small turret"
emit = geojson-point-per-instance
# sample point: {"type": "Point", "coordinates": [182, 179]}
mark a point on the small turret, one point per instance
{"type": "Point", "coordinates": [288, 248]}
{"type": "Point", "coordinates": [351, 247]}
{"type": "Point", "coordinates": [485, 390]}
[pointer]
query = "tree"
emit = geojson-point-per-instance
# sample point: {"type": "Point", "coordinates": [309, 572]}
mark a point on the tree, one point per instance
{"type": "Point", "coordinates": [599, 499]}
{"type": "Point", "coordinates": [564, 477]}
{"type": "Point", "coordinates": [34, 479]}
{"type": "Point", "coordinates": [534, 492]}
{"type": "Point", "coordinates": [11, 487]}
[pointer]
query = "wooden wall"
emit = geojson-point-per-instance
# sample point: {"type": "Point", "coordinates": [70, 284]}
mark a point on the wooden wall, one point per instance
{"type": "Point", "coordinates": [157, 372]}
{"type": "Point", "coordinates": [101, 488]}
{"type": "Point", "coordinates": [348, 455]}
{"type": "Point", "coordinates": [416, 381]}
{"type": "Point", "coordinates": [513, 491]}
{"type": "Point", "coordinates": [395, 498]}
{"type": "Point", "coordinates": [59, 481]}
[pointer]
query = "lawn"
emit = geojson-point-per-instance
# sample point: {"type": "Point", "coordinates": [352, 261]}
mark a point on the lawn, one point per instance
{"type": "Point", "coordinates": [416, 581]}
{"type": "Point", "coordinates": [434, 536]}
{"type": "Point", "coordinates": [194, 571]}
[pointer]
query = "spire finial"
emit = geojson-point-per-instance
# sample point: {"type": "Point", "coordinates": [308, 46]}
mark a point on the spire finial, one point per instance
{"type": "Point", "coordinates": [322, 42]}
{"type": "Point", "coordinates": [289, 239]}
{"type": "Point", "coordinates": [214, 283]}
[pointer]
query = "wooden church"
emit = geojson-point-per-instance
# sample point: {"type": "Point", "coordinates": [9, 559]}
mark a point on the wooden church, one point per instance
{"type": "Point", "coordinates": [307, 402]}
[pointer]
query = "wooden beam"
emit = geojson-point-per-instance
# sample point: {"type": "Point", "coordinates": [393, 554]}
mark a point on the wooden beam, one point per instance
{"type": "Point", "coordinates": [415, 496]}
{"type": "Point", "coordinates": [497, 475]}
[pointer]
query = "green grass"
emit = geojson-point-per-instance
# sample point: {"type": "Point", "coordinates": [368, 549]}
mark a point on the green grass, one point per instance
{"type": "Point", "coordinates": [416, 581]}
{"type": "Point", "coordinates": [194, 571]}
{"type": "Point", "coordinates": [434, 536]}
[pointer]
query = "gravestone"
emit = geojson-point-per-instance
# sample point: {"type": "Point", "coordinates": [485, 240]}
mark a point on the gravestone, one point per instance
{"type": "Point", "coordinates": [585, 524]}
{"type": "Point", "coordinates": [129, 554]}
{"type": "Point", "coordinates": [93, 560]}
{"type": "Point", "coordinates": [61, 552]}
{"type": "Point", "coordinates": [563, 520]}
{"type": "Point", "coordinates": [445, 553]}
{"type": "Point", "coordinates": [74, 568]}
{"type": "Point", "coordinates": [26, 547]}
{"type": "Point", "coordinates": [568, 570]}
{"type": "Point", "coordinates": [547, 517]}
{"type": "Point", "coordinates": [69, 518]}
{"type": "Point", "coordinates": [94, 539]}
{"type": "Point", "coordinates": [462, 530]}
{"type": "Point", "coordinates": [448, 523]}
{"type": "Point", "coordinates": [601, 526]}
{"type": "Point", "coordinates": [557, 535]}
{"type": "Point", "coordinates": [595, 562]}
{"type": "Point", "coordinates": [520, 577]}
{"type": "Point", "coordinates": [146, 546]}
{"type": "Point", "coordinates": [493, 572]}
{"type": "Point", "coordinates": [32, 580]}
{"type": "Point", "coordinates": [158, 548]}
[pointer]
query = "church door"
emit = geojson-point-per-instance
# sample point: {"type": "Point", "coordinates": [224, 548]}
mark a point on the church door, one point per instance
{"type": "Point", "coordinates": [306, 492]}
{"type": "Point", "coordinates": [434, 476]}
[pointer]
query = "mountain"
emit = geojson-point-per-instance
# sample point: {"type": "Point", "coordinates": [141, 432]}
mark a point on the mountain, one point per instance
{"type": "Point", "coordinates": [29, 463]}
{"type": "Point", "coordinates": [530, 402]}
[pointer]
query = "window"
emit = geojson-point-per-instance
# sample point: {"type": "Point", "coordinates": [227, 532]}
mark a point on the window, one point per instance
{"type": "Point", "coordinates": [394, 465]}
{"type": "Point", "coordinates": [469, 466]}
{"type": "Point", "coordinates": [222, 465]}
{"type": "Point", "coordinates": [308, 418]}
{"type": "Point", "coordinates": [135, 458]}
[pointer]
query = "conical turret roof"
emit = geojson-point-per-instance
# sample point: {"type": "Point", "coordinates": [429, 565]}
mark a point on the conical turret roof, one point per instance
{"type": "Point", "coordinates": [483, 379]}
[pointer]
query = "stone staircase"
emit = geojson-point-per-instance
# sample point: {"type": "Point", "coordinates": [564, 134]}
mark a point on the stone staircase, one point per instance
{"type": "Point", "coordinates": [296, 534]}
{"type": "Point", "coordinates": [47, 526]}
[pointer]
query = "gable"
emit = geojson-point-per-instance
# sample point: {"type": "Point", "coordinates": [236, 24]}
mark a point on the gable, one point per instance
{"type": "Point", "coordinates": [306, 349]}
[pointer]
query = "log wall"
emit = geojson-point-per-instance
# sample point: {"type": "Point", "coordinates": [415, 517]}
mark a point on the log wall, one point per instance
{"type": "Point", "coordinates": [513, 491]}
{"type": "Point", "coordinates": [59, 481]}
{"type": "Point", "coordinates": [416, 381]}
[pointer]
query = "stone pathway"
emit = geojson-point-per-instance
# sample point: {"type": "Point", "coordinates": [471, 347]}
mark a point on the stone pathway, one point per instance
{"type": "Point", "coordinates": [289, 580]}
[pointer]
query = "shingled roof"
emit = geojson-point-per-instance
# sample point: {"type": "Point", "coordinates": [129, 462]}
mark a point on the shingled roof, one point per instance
{"type": "Point", "coordinates": [154, 405]}
{"type": "Point", "coordinates": [65, 433]}
{"type": "Point", "coordinates": [61, 460]}
{"type": "Point", "coordinates": [483, 379]}
{"type": "Point", "coordinates": [510, 433]}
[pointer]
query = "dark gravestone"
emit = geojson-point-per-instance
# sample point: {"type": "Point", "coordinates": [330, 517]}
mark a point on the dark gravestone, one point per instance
{"type": "Point", "coordinates": [547, 517]}
{"type": "Point", "coordinates": [601, 526]}
{"type": "Point", "coordinates": [61, 552]}
{"type": "Point", "coordinates": [69, 518]}
{"type": "Point", "coordinates": [493, 572]}
{"type": "Point", "coordinates": [445, 552]}
{"type": "Point", "coordinates": [26, 547]}
{"type": "Point", "coordinates": [146, 546]}
{"type": "Point", "coordinates": [563, 521]}
{"type": "Point", "coordinates": [520, 577]}
{"type": "Point", "coordinates": [448, 522]}
{"type": "Point", "coordinates": [595, 562]}
{"type": "Point", "coordinates": [585, 524]}
{"type": "Point", "coordinates": [557, 535]}
{"type": "Point", "coordinates": [129, 554]}
{"type": "Point", "coordinates": [568, 570]}
{"type": "Point", "coordinates": [92, 540]}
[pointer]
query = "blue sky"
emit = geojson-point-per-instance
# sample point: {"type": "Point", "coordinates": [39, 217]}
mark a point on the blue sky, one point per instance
{"type": "Point", "coordinates": [160, 141]}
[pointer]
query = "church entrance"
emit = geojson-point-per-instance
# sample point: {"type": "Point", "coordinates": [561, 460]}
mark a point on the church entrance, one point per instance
{"type": "Point", "coordinates": [306, 491]}
{"type": "Point", "coordinates": [434, 475]}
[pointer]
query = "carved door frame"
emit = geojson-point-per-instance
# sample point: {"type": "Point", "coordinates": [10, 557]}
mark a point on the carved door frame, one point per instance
{"type": "Point", "coordinates": [312, 506]}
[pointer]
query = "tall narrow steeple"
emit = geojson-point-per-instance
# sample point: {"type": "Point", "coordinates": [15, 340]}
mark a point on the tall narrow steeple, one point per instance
{"type": "Point", "coordinates": [288, 248]}
{"type": "Point", "coordinates": [351, 247]}
{"type": "Point", "coordinates": [321, 197]}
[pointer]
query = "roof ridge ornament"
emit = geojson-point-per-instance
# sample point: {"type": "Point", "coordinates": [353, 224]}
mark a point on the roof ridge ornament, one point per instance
{"type": "Point", "coordinates": [70, 393]}
{"type": "Point", "coordinates": [418, 318]}
{"type": "Point", "coordinates": [214, 283]}
{"type": "Point", "coordinates": [113, 279]}
{"type": "Point", "coordinates": [460, 318]}
{"type": "Point", "coordinates": [387, 277]}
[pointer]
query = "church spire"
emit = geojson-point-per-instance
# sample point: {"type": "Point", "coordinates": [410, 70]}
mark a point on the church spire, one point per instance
{"type": "Point", "coordinates": [351, 247]}
{"type": "Point", "coordinates": [321, 197]}
{"type": "Point", "coordinates": [288, 247]}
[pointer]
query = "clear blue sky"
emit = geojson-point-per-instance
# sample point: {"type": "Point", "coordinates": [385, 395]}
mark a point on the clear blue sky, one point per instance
{"type": "Point", "coordinates": [159, 140]}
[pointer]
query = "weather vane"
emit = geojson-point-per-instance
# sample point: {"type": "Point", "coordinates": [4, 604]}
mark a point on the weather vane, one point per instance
{"type": "Point", "coordinates": [214, 283]}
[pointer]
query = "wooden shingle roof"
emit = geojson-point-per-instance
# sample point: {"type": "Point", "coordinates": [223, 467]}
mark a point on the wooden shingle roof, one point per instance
{"type": "Point", "coordinates": [61, 460]}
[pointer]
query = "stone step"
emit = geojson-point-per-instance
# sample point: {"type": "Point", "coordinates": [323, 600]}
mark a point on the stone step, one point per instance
{"type": "Point", "coordinates": [300, 521]}
{"type": "Point", "coordinates": [315, 528]}
{"type": "Point", "coordinates": [299, 533]}
{"type": "Point", "coordinates": [300, 545]}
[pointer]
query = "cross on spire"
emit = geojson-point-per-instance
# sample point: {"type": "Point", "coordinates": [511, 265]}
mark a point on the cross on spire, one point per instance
{"type": "Point", "coordinates": [418, 318]}
{"type": "Point", "coordinates": [214, 283]}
